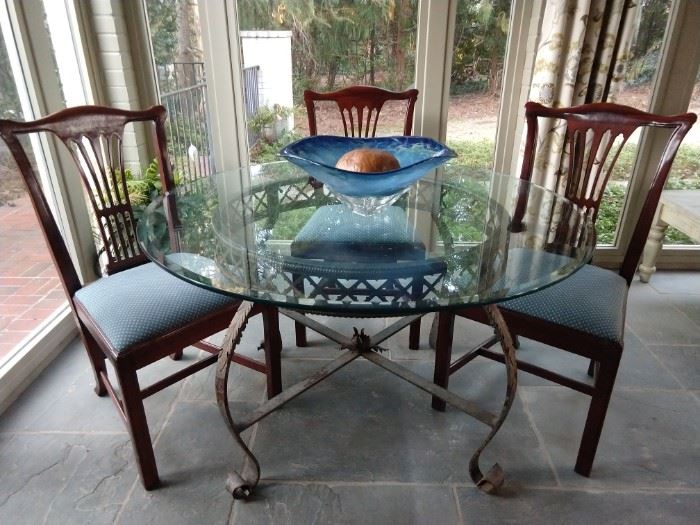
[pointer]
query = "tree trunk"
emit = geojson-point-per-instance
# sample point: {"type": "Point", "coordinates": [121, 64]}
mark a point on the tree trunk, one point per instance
{"type": "Point", "coordinates": [494, 74]}
{"type": "Point", "coordinates": [332, 73]}
{"type": "Point", "coordinates": [401, 13]}
{"type": "Point", "coordinates": [372, 52]}
{"type": "Point", "coordinates": [394, 32]}
{"type": "Point", "coordinates": [183, 75]}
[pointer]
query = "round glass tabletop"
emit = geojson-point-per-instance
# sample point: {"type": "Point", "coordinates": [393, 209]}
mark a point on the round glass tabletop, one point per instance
{"type": "Point", "coordinates": [266, 234]}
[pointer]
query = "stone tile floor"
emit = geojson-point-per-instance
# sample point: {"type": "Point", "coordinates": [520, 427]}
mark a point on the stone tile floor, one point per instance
{"type": "Point", "coordinates": [364, 447]}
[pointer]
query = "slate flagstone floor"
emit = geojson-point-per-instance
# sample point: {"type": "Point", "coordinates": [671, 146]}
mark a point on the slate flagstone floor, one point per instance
{"type": "Point", "coordinates": [366, 448]}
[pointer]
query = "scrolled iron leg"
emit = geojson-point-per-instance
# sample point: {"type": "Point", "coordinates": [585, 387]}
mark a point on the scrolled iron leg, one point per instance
{"type": "Point", "coordinates": [239, 485]}
{"type": "Point", "coordinates": [493, 479]}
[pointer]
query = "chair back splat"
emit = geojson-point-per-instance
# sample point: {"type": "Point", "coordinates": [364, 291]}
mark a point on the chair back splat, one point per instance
{"type": "Point", "coordinates": [586, 142]}
{"type": "Point", "coordinates": [360, 107]}
{"type": "Point", "coordinates": [95, 138]}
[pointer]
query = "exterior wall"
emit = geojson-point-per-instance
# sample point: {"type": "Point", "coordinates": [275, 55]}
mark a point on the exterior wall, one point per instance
{"type": "Point", "coordinates": [272, 51]}
{"type": "Point", "coordinates": [121, 88]}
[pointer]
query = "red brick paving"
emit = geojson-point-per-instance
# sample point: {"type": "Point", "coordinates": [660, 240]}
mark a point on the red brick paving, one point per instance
{"type": "Point", "coordinates": [30, 290]}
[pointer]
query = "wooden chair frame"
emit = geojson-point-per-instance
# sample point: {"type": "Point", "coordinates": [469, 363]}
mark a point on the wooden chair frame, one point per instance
{"type": "Point", "coordinates": [360, 107]}
{"type": "Point", "coordinates": [96, 133]}
{"type": "Point", "coordinates": [604, 354]}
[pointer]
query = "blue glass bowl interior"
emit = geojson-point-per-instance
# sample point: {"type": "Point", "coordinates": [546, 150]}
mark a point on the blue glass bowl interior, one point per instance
{"type": "Point", "coordinates": [318, 155]}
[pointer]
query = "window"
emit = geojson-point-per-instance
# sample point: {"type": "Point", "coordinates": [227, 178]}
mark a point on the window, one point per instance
{"type": "Point", "coordinates": [662, 78]}
{"type": "Point", "coordinates": [176, 40]}
{"type": "Point", "coordinates": [288, 47]}
{"type": "Point", "coordinates": [30, 290]}
{"type": "Point", "coordinates": [36, 80]}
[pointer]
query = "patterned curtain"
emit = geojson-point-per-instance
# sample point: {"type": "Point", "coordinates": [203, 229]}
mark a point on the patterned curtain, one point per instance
{"type": "Point", "coordinates": [582, 57]}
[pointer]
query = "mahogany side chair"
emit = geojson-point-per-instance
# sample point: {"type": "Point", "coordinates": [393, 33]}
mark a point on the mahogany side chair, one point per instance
{"type": "Point", "coordinates": [139, 313]}
{"type": "Point", "coordinates": [359, 108]}
{"type": "Point", "coordinates": [585, 313]}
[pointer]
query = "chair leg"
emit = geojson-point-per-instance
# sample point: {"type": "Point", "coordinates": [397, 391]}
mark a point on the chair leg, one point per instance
{"type": "Point", "coordinates": [176, 356]}
{"type": "Point", "coordinates": [443, 354]}
{"type": "Point", "coordinates": [273, 350]}
{"type": "Point", "coordinates": [98, 362]}
{"type": "Point", "coordinates": [299, 329]}
{"type": "Point", "coordinates": [300, 332]}
{"type": "Point", "coordinates": [605, 381]}
{"type": "Point", "coordinates": [591, 368]}
{"type": "Point", "coordinates": [414, 335]}
{"type": "Point", "coordinates": [432, 336]}
{"type": "Point", "coordinates": [135, 416]}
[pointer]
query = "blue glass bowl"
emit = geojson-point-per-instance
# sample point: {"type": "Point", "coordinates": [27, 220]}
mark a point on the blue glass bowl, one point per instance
{"type": "Point", "coordinates": [318, 155]}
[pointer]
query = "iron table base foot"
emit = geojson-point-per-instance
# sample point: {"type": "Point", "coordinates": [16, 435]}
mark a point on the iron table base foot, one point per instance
{"type": "Point", "coordinates": [493, 479]}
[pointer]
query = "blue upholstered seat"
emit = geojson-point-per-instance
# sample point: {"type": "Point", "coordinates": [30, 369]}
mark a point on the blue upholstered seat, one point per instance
{"type": "Point", "coordinates": [334, 231]}
{"type": "Point", "coordinates": [593, 300]}
{"type": "Point", "coordinates": [143, 302]}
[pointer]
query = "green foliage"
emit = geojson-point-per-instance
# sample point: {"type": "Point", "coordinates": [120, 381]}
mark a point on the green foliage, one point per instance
{"type": "Point", "coordinates": [263, 126]}
{"type": "Point", "coordinates": [162, 21]}
{"type": "Point", "coordinates": [481, 33]}
{"type": "Point", "coordinates": [646, 50]}
{"type": "Point", "coordinates": [641, 69]}
{"type": "Point", "coordinates": [9, 99]}
{"type": "Point", "coordinates": [341, 42]}
{"type": "Point", "coordinates": [146, 188]}
{"type": "Point", "coordinates": [264, 151]}
{"type": "Point", "coordinates": [473, 154]}
{"type": "Point", "coordinates": [195, 209]}
{"type": "Point", "coordinates": [609, 213]}
{"type": "Point", "coordinates": [267, 116]}
{"type": "Point", "coordinates": [652, 26]}
{"type": "Point", "coordinates": [684, 175]}
{"type": "Point", "coordinates": [294, 221]}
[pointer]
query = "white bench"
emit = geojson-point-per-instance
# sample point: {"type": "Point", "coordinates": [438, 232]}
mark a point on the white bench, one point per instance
{"type": "Point", "coordinates": [677, 208]}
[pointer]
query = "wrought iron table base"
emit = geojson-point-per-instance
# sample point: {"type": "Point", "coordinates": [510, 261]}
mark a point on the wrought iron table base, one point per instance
{"type": "Point", "coordinates": [242, 484]}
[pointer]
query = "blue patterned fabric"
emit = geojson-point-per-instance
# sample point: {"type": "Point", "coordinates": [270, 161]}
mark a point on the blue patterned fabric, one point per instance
{"type": "Point", "coordinates": [143, 302]}
{"type": "Point", "coordinates": [592, 300]}
{"type": "Point", "coordinates": [335, 232]}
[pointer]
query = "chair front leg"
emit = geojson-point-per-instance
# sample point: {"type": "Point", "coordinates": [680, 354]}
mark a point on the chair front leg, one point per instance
{"type": "Point", "coordinates": [97, 360]}
{"type": "Point", "coordinates": [135, 416]}
{"type": "Point", "coordinates": [273, 350]}
{"type": "Point", "coordinates": [605, 381]}
{"type": "Point", "coordinates": [443, 353]}
{"type": "Point", "coordinates": [300, 333]}
{"type": "Point", "coordinates": [414, 335]}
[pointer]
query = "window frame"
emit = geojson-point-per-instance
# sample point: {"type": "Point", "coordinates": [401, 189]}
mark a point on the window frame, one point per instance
{"type": "Point", "coordinates": [672, 90]}
{"type": "Point", "coordinates": [22, 22]}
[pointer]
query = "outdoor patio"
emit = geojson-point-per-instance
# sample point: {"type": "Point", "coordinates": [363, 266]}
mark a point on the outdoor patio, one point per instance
{"type": "Point", "coordinates": [365, 448]}
{"type": "Point", "coordinates": [30, 290]}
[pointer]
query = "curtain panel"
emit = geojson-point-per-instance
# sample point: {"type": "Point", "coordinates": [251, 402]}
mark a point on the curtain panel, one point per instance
{"type": "Point", "coordinates": [582, 56]}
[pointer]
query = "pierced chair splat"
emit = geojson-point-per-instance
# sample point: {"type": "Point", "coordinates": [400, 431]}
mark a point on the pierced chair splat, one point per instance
{"type": "Point", "coordinates": [360, 107]}
{"type": "Point", "coordinates": [139, 313]}
{"type": "Point", "coordinates": [584, 314]}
